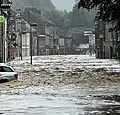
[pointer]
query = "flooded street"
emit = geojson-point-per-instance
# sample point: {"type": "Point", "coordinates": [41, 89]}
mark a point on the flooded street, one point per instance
{"type": "Point", "coordinates": [63, 85]}
{"type": "Point", "coordinates": [61, 101]}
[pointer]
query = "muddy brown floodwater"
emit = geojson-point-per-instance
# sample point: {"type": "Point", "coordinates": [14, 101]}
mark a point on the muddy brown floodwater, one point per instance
{"type": "Point", "coordinates": [63, 85]}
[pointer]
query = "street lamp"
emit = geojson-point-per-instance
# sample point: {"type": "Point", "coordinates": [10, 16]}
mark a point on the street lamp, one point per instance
{"type": "Point", "coordinates": [31, 39]}
{"type": "Point", "coordinates": [96, 22]}
{"type": "Point", "coordinates": [101, 45]}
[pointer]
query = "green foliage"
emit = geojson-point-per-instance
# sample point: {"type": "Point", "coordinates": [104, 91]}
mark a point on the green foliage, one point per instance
{"type": "Point", "coordinates": [108, 10]}
{"type": "Point", "coordinates": [62, 19]}
{"type": "Point", "coordinates": [74, 18]}
{"type": "Point", "coordinates": [80, 17]}
{"type": "Point", "coordinates": [59, 18]}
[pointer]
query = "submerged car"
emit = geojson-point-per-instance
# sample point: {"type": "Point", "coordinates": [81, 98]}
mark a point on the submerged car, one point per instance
{"type": "Point", "coordinates": [7, 73]}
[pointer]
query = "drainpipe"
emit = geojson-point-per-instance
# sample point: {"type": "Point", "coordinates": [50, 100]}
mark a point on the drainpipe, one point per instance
{"type": "Point", "coordinates": [5, 42]}
{"type": "Point", "coordinates": [1, 60]}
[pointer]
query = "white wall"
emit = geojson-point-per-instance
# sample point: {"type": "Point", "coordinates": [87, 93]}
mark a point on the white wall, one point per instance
{"type": "Point", "coordinates": [61, 42]}
{"type": "Point", "coordinates": [26, 44]}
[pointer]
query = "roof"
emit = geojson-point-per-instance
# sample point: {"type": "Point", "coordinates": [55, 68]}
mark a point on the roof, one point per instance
{"type": "Point", "coordinates": [42, 17]}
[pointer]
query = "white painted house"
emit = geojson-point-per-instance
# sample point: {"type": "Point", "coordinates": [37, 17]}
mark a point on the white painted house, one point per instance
{"type": "Point", "coordinates": [26, 44]}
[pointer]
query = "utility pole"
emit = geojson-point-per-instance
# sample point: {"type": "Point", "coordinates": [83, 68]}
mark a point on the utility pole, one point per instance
{"type": "Point", "coordinates": [30, 38]}
{"type": "Point", "coordinates": [21, 39]}
{"type": "Point", "coordinates": [20, 29]}
{"type": "Point", "coordinates": [31, 41]}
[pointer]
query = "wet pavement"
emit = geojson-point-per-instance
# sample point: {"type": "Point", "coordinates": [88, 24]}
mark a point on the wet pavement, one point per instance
{"type": "Point", "coordinates": [63, 85]}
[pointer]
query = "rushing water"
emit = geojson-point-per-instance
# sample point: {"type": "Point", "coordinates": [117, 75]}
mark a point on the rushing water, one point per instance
{"type": "Point", "coordinates": [58, 101]}
{"type": "Point", "coordinates": [53, 86]}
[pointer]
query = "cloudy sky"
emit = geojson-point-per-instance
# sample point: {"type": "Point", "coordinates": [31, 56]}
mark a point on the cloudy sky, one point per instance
{"type": "Point", "coordinates": [64, 4]}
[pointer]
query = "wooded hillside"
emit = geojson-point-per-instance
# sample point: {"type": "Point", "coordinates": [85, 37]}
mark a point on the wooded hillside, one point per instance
{"type": "Point", "coordinates": [40, 4]}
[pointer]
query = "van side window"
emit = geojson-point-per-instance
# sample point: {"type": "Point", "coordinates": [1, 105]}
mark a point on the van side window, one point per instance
{"type": "Point", "coordinates": [7, 69]}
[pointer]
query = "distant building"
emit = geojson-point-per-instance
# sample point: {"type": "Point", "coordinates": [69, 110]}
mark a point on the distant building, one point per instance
{"type": "Point", "coordinates": [105, 40]}
{"type": "Point", "coordinates": [80, 35]}
{"type": "Point", "coordinates": [44, 28]}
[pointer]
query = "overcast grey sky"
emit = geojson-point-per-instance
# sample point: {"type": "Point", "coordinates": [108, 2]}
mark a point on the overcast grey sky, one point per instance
{"type": "Point", "coordinates": [64, 4]}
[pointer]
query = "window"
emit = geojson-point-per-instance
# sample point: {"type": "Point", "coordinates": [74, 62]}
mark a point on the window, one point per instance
{"type": "Point", "coordinates": [5, 69]}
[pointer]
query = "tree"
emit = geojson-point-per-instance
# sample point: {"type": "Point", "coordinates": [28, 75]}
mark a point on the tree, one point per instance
{"type": "Point", "coordinates": [108, 10]}
{"type": "Point", "coordinates": [82, 17]}
{"type": "Point", "coordinates": [78, 17]}
{"type": "Point", "coordinates": [59, 18]}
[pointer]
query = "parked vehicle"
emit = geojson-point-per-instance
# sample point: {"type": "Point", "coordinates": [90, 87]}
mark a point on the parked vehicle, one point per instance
{"type": "Point", "coordinates": [7, 73]}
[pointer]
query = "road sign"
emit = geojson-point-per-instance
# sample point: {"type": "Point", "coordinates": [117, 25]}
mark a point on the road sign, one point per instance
{"type": "Point", "coordinates": [88, 33]}
{"type": "Point", "coordinates": [2, 19]}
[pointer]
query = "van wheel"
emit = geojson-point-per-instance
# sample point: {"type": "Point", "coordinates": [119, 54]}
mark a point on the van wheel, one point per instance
{"type": "Point", "coordinates": [4, 80]}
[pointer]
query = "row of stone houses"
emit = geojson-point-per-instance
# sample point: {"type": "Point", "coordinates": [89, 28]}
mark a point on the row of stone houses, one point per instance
{"type": "Point", "coordinates": [46, 38]}
{"type": "Point", "coordinates": [106, 41]}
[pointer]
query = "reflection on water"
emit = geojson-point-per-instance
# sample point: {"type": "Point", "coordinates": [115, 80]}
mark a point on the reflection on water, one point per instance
{"type": "Point", "coordinates": [57, 101]}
